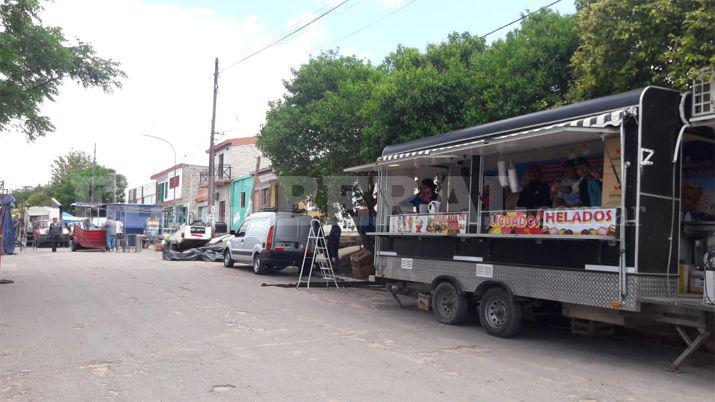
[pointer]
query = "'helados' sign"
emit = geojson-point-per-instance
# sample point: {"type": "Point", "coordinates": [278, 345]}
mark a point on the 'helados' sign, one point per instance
{"type": "Point", "coordinates": [581, 222]}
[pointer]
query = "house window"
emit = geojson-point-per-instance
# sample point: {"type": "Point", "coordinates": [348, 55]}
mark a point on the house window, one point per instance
{"type": "Point", "coordinates": [174, 182]}
{"type": "Point", "coordinates": [161, 192]}
{"type": "Point", "coordinates": [243, 199]}
{"type": "Point", "coordinates": [220, 166]}
{"type": "Point", "coordinates": [265, 196]}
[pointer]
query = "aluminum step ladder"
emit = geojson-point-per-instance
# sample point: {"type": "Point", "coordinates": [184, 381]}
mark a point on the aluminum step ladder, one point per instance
{"type": "Point", "coordinates": [317, 245]}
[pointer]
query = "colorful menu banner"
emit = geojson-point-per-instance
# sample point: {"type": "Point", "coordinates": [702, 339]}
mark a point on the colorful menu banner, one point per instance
{"type": "Point", "coordinates": [578, 222]}
{"type": "Point", "coordinates": [429, 223]}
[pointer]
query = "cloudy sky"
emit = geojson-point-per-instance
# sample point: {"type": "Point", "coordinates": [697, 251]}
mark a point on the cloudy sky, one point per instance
{"type": "Point", "coordinates": [167, 48]}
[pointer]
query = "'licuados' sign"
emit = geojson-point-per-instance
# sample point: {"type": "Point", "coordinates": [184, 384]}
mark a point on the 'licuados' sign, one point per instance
{"type": "Point", "coordinates": [580, 222]}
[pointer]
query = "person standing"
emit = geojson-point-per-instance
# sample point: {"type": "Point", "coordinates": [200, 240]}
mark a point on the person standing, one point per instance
{"type": "Point", "coordinates": [334, 240]}
{"type": "Point", "coordinates": [110, 232]}
{"type": "Point", "coordinates": [536, 194]}
{"type": "Point", "coordinates": [55, 231]}
{"type": "Point", "coordinates": [590, 186]}
{"type": "Point", "coordinates": [120, 233]}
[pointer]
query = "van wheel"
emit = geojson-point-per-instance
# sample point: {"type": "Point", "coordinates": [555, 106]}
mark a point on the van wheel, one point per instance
{"type": "Point", "coordinates": [449, 306]}
{"type": "Point", "coordinates": [227, 260]}
{"type": "Point", "coordinates": [499, 314]}
{"type": "Point", "coordinates": [258, 266]}
{"type": "Point", "coordinates": [73, 245]}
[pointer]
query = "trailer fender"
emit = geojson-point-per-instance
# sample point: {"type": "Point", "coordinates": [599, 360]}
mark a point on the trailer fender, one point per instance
{"type": "Point", "coordinates": [442, 278]}
{"type": "Point", "coordinates": [486, 285]}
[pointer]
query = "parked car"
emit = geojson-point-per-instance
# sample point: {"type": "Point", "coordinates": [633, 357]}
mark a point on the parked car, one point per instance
{"type": "Point", "coordinates": [188, 236]}
{"type": "Point", "coordinates": [42, 233]}
{"type": "Point", "coordinates": [269, 241]}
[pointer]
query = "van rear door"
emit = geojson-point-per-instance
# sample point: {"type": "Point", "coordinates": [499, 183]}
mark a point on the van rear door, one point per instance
{"type": "Point", "coordinates": [291, 233]}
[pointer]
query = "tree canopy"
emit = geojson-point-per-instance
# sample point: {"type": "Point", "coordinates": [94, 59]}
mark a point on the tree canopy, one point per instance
{"type": "Point", "coordinates": [65, 165]}
{"type": "Point", "coordinates": [34, 60]}
{"type": "Point", "coordinates": [72, 181]}
{"type": "Point", "coordinates": [628, 44]}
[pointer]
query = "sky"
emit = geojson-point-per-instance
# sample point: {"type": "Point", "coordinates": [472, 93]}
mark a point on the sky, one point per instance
{"type": "Point", "coordinates": [167, 48]}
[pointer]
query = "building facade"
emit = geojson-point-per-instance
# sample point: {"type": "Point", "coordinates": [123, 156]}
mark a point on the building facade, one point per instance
{"type": "Point", "coordinates": [233, 158]}
{"type": "Point", "coordinates": [144, 194]}
{"type": "Point", "coordinates": [241, 189]}
{"type": "Point", "coordinates": [176, 190]}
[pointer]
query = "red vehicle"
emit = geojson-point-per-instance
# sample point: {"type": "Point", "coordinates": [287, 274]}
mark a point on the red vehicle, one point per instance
{"type": "Point", "coordinates": [87, 238]}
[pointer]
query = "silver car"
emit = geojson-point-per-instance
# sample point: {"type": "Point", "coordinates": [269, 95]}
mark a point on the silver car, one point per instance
{"type": "Point", "coordinates": [269, 241]}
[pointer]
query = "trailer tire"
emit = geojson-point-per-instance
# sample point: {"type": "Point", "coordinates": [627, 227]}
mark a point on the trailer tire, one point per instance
{"type": "Point", "coordinates": [449, 305]}
{"type": "Point", "coordinates": [227, 260]}
{"type": "Point", "coordinates": [499, 314]}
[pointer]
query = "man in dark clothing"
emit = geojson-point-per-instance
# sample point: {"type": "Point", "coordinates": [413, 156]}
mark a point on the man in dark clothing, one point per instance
{"type": "Point", "coordinates": [536, 194]}
{"type": "Point", "coordinates": [55, 231]}
{"type": "Point", "coordinates": [334, 240]}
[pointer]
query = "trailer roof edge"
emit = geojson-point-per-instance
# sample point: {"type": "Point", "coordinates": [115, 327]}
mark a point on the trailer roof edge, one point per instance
{"type": "Point", "coordinates": [544, 117]}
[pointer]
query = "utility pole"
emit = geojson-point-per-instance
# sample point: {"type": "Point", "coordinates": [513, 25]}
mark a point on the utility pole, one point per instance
{"type": "Point", "coordinates": [114, 188]}
{"type": "Point", "coordinates": [94, 164]}
{"type": "Point", "coordinates": [211, 148]}
{"type": "Point", "coordinates": [253, 186]}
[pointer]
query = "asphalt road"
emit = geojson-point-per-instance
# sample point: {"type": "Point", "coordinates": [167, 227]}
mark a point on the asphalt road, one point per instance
{"type": "Point", "coordinates": [90, 325]}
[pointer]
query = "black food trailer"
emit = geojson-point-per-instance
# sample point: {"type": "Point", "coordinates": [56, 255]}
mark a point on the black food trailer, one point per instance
{"type": "Point", "coordinates": [507, 227]}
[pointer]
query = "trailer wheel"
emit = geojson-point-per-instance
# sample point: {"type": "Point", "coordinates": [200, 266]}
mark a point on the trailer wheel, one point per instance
{"type": "Point", "coordinates": [227, 260]}
{"type": "Point", "coordinates": [498, 313]}
{"type": "Point", "coordinates": [449, 306]}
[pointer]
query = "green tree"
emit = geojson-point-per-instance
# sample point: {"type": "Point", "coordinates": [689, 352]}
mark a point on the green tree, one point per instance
{"type": "Point", "coordinates": [34, 60]}
{"type": "Point", "coordinates": [462, 82]}
{"type": "Point", "coordinates": [38, 198]}
{"type": "Point", "coordinates": [424, 94]}
{"type": "Point", "coordinates": [527, 71]}
{"type": "Point", "coordinates": [78, 186]}
{"type": "Point", "coordinates": [317, 129]}
{"type": "Point", "coordinates": [627, 44]}
{"type": "Point", "coordinates": [65, 165]}
{"type": "Point", "coordinates": [22, 194]}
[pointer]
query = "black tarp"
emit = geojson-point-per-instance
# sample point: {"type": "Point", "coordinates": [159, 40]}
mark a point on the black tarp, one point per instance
{"type": "Point", "coordinates": [211, 254]}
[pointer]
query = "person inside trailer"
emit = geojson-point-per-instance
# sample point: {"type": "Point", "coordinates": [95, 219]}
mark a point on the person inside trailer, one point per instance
{"type": "Point", "coordinates": [427, 193]}
{"type": "Point", "coordinates": [590, 185]}
{"type": "Point", "coordinates": [536, 194]}
{"type": "Point", "coordinates": [566, 192]}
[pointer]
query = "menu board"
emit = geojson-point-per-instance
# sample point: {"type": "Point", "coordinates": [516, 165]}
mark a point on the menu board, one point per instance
{"type": "Point", "coordinates": [580, 222]}
{"type": "Point", "coordinates": [429, 223]}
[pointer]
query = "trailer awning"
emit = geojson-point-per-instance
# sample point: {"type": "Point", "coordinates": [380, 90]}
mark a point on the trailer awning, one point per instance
{"type": "Point", "coordinates": [595, 125]}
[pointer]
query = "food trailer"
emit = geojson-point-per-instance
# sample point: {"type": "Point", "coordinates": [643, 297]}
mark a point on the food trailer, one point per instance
{"type": "Point", "coordinates": [483, 244]}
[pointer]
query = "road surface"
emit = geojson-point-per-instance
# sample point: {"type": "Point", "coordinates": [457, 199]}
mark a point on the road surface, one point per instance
{"type": "Point", "coordinates": [91, 325]}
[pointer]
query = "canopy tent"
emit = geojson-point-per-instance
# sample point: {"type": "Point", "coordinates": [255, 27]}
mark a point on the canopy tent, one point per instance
{"type": "Point", "coordinates": [69, 218]}
{"type": "Point", "coordinates": [7, 229]}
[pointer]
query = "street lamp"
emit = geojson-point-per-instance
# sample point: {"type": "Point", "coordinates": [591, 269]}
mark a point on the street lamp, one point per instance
{"type": "Point", "coordinates": [173, 195]}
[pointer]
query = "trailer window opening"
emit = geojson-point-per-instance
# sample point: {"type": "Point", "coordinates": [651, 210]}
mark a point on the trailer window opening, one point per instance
{"type": "Point", "coordinates": [565, 189]}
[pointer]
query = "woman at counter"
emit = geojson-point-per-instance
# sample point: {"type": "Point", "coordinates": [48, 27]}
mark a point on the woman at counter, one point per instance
{"type": "Point", "coordinates": [425, 195]}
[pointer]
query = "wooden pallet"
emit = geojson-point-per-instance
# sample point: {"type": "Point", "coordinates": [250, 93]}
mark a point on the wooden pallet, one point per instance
{"type": "Point", "coordinates": [590, 328]}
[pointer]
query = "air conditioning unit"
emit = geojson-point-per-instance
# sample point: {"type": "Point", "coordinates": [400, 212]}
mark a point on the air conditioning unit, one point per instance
{"type": "Point", "coordinates": [703, 94]}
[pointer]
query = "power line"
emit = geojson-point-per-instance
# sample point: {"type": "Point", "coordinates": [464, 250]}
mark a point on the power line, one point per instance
{"type": "Point", "coordinates": [364, 27]}
{"type": "Point", "coordinates": [288, 29]}
{"type": "Point", "coordinates": [286, 36]}
{"type": "Point", "coordinates": [523, 17]}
